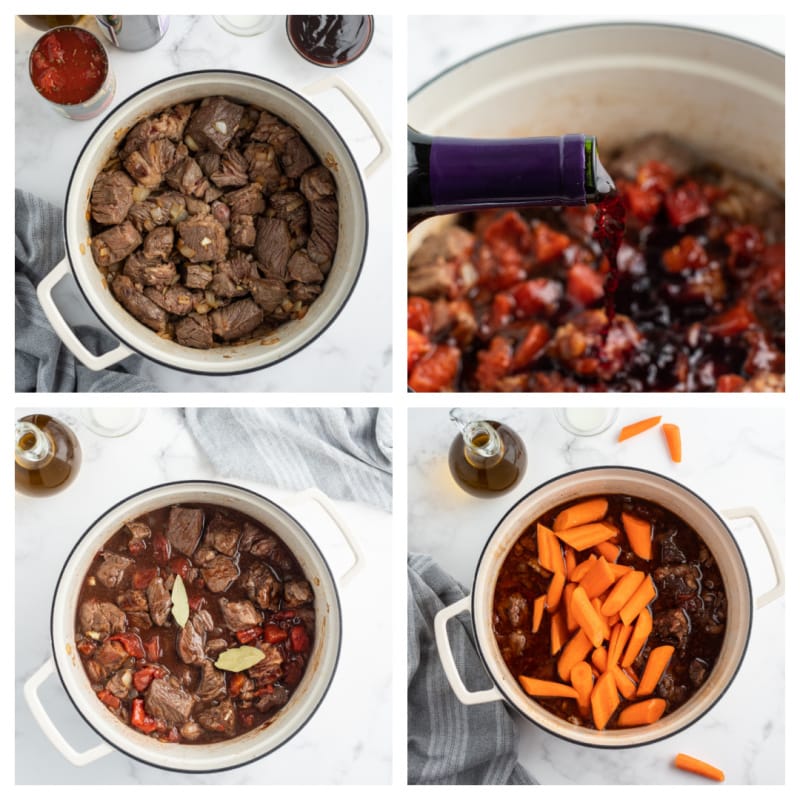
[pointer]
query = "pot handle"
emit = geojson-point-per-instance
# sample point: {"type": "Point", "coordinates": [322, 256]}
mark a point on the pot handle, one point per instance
{"type": "Point", "coordinates": [777, 565]}
{"type": "Point", "coordinates": [62, 328]}
{"type": "Point", "coordinates": [440, 621]}
{"type": "Point", "coordinates": [334, 82]}
{"type": "Point", "coordinates": [330, 509]}
{"type": "Point", "coordinates": [79, 759]}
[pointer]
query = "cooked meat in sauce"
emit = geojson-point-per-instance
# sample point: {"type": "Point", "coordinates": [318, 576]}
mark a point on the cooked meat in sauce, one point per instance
{"type": "Point", "coordinates": [214, 223]}
{"type": "Point", "coordinates": [688, 611]}
{"type": "Point", "coordinates": [513, 301]}
{"type": "Point", "coordinates": [163, 678]}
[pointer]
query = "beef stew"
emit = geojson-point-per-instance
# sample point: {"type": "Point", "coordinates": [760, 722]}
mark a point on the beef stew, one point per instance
{"type": "Point", "coordinates": [195, 624]}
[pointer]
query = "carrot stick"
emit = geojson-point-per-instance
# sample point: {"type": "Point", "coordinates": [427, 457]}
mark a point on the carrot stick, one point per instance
{"type": "Point", "coordinates": [597, 579]}
{"type": "Point", "coordinates": [572, 623]}
{"type": "Point", "coordinates": [581, 513]}
{"type": "Point", "coordinates": [587, 617]}
{"type": "Point", "coordinates": [639, 599]}
{"type": "Point", "coordinates": [540, 688]}
{"type": "Point", "coordinates": [635, 428]}
{"type": "Point", "coordinates": [640, 535]}
{"type": "Point", "coordinates": [576, 649]}
{"type": "Point", "coordinates": [622, 592]}
{"type": "Point", "coordinates": [549, 548]}
{"type": "Point", "coordinates": [612, 620]}
{"type": "Point", "coordinates": [620, 569]}
{"type": "Point", "coordinates": [538, 611]}
{"type": "Point", "coordinates": [585, 536]}
{"type": "Point", "coordinates": [698, 767]}
{"type": "Point", "coordinates": [600, 658]}
{"type": "Point", "coordinates": [617, 642]}
{"type": "Point", "coordinates": [570, 561]}
{"type": "Point", "coordinates": [582, 680]}
{"type": "Point", "coordinates": [625, 686]}
{"type": "Point", "coordinates": [645, 713]}
{"type": "Point", "coordinates": [631, 673]}
{"type": "Point", "coordinates": [558, 632]}
{"type": "Point", "coordinates": [656, 664]}
{"type": "Point", "coordinates": [577, 574]}
{"type": "Point", "coordinates": [641, 630]}
{"type": "Point", "coordinates": [604, 700]}
{"type": "Point", "coordinates": [672, 434]}
{"type": "Point", "coordinates": [555, 589]}
{"type": "Point", "coordinates": [610, 552]}
{"type": "Point", "coordinates": [595, 601]}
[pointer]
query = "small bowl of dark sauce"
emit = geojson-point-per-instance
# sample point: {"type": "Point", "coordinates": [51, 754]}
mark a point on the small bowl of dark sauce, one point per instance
{"type": "Point", "coordinates": [330, 40]}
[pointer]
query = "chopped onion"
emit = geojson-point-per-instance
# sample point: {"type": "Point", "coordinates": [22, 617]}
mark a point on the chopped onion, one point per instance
{"type": "Point", "coordinates": [140, 193]}
{"type": "Point", "coordinates": [191, 143]}
{"type": "Point", "coordinates": [185, 250]}
{"type": "Point", "coordinates": [221, 126]}
{"type": "Point", "coordinates": [205, 241]}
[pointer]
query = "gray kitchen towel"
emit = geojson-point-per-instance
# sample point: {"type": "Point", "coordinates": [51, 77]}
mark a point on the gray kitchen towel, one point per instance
{"type": "Point", "coordinates": [42, 362]}
{"type": "Point", "coordinates": [448, 742]}
{"type": "Point", "coordinates": [346, 452]}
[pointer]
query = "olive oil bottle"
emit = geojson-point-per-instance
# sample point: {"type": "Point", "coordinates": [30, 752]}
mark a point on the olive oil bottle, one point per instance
{"type": "Point", "coordinates": [47, 455]}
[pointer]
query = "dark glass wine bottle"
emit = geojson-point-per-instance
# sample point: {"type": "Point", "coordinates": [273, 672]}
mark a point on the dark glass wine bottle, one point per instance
{"type": "Point", "coordinates": [448, 175]}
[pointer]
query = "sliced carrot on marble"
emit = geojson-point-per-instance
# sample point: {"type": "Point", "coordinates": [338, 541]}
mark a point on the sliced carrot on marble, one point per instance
{"type": "Point", "coordinates": [672, 433]}
{"type": "Point", "coordinates": [698, 767]}
{"type": "Point", "coordinates": [635, 428]}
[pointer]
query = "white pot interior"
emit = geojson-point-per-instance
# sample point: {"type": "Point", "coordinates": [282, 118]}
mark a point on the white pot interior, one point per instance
{"type": "Point", "coordinates": [672, 496]}
{"type": "Point", "coordinates": [324, 140]}
{"type": "Point", "coordinates": [249, 746]}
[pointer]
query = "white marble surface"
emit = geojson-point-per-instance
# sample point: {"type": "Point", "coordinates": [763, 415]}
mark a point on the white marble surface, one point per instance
{"type": "Point", "coordinates": [732, 458]}
{"type": "Point", "coordinates": [47, 145]}
{"type": "Point", "coordinates": [326, 751]}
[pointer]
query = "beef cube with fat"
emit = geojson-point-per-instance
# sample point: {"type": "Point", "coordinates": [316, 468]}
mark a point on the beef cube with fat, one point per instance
{"type": "Point", "coordinates": [213, 124]}
{"type": "Point", "coordinates": [184, 528]}
{"type": "Point", "coordinates": [243, 230]}
{"type": "Point", "coordinates": [202, 238]}
{"type": "Point", "coordinates": [176, 299]}
{"type": "Point", "coordinates": [262, 587]}
{"type": "Point", "coordinates": [292, 207]}
{"type": "Point", "coordinates": [239, 615]}
{"type": "Point", "coordinates": [295, 156]}
{"type": "Point", "coordinates": [187, 178]}
{"type": "Point", "coordinates": [304, 292]}
{"type": "Point", "coordinates": [167, 700]}
{"type": "Point", "coordinates": [263, 167]}
{"type": "Point", "coordinates": [222, 533]}
{"type": "Point", "coordinates": [195, 331]}
{"type": "Point", "coordinates": [112, 197]}
{"type": "Point", "coordinates": [111, 573]}
{"type": "Point", "coordinates": [158, 243]}
{"type": "Point", "coordinates": [247, 200]}
{"type": "Point", "coordinates": [148, 165]}
{"type": "Point", "coordinates": [219, 719]}
{"type": "Point", "coordinates": [271, 701]}
{"type": "Point", "coordinates": [324, 231]}
{"type": "Point", "coordinates": [212, 683]}
{"type": "Point", "coordinates": [231, 170]}
{"type": "Point", "coordinates": [273, 246]}
{"type": "Point", "coordinates": [114, 244]}
{"type": "Point", "coordinates": [101, 618]}
{"type": "Point", "coordinates": [297, 593]}
{"type": "Point", "coordinates": [236, 320]}
{"type": "Point", "coordinates": [191, 641]}
{"type": "Point", "coordinates": [144, 309]}
{"type": "Point", "coordinates": [168, 125]}
{"type": "Point", "coordinates": [197, 276]}
{"type": "Point", "coordinates": [222, 214]}
{"type": "Point", "coordinates": [159, 601]}
{"type": "Point", "coordinates": [270, 668]}
{"type": "Point", "coordinates": [220, 573]}
{"type": "Point", "coordinates": [301, 268]}
{"type": "Point", "coordinates": [149, 271]}
{"type": "Point", "coordinates": [269, 293]}
{"type": "Point", "coordinates": [317, 182]}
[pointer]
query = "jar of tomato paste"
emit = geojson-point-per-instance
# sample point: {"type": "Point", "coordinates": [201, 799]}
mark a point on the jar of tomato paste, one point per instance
{"type": "Point", "coordinates": [69, 68]}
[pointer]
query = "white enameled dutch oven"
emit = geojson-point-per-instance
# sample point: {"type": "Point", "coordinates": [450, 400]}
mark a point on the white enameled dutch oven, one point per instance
{"type": "Point", "coordinates": [185, 757]}
{"type": "Point", "coordinates": [677, 498]}
{"type": "Point", "coordinates": [720, 95]}
{"type": "Point", "coordinates": [326, 142]}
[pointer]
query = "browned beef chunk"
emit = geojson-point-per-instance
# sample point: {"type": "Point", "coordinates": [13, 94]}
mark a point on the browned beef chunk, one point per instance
{"type": "Point", "coordinates": [112, 197]}
{"type": "Point", "coordinates": [247, 200]}
{"type": "Point", "coordinates": [676, 583]}
{"type": "Point", "coordinates": [232, 277]}
{"type": "Point", "coordinates": [184, 528]}
{"type": "Point", "coordinates": [111, 572]}
{"type": "Point", "coordinates": [304, 292]}
{"type": "Point", "coordinates": [672, 689]}
{"type": "Point", "coordinates": [158, 243]}
{"type": "Point", "coordinates": [101, 618]}
{"type": "Point", "coordinates": [212, 194]}
{"type": "Point", "coordinates": [194, 331]}
{"type": "Point", "coordinates": [197, 207]}
{"type": "Point", "coordinates": [167, 208]}
{"type": "Point", "coordinates": [292, 207]}
{"type": "Point", "coordinates": [204, 556]}
{"type": "Point", "coordinates": [144, 309]}
{"type": "Point", "coordinates": [175, 299]}
{"type": "Point", "coordinates": [268, 547]}
{"type": "Point", "coordinates": [168, 125]}
{"type": "Point", "coordinates": [198, 276]}
{"type": "Point", "coordinates": [220, 573]}
{"type": "Point", "coordinates": [222, 214]}
{"type": "Point", "coordinates": [145, 271]}
{"type": "Point", "coordinates": [698, 671]}
{"type": "Point", "coordinates": [431, 270]}
{"type": "Point", "coordinates": [166, 699]}
{"type": "Point", "coordinates": [148, 165]}
{"type": "Point", "coordinates": [267, 127]}
{"type": "Point", "coordinates": [271, 701]}
{"type": "Point", "coordinates": [110, 656]}
{"type": "Point", "coordinates": [263, 167]}
{"type": "Point", "coordinates": [215, 646]}
{"type": "Point", "coordinates": [302, 268]}
{"type": "Point", "coordinates": [324, 231]}
{"type": "Point", "coordinates": [140, 620]}
{"type": "Point", "coordinates": [202, 238]}
{"type": "Point", "coordinates": [222, 533]}
{"type": "Point", "coordinates": [187, 178]}
{"type": "Point", "coordinates": [209, 162]}
{"type": "Point", "coordinates": [250, 535]}
{"type": "Point", "coordinates": [213, 124]}
{"type": "Point", "coordinates": [262, 587]}
{"type": "Point", "coordinates": [297, 593]}
{"type": "Point", "coordinates": [158, 600]}
{"type": "Point", "coordinates": [212, 683]}
{"type": "Point", "coordinates": [269, 293]}
{"type": "Point", "coordinates": [231, 170]}
{"type": "Point", "coordinates": [192, 637]}
{"type": "Point", "coordinates": [237, 319]}
{"type": "Point", "coordinates": [120, 683]}
{"type": "Point", "coordinates": [270, 668]}
{"type": "Point", "coordinates": [514, 608]}
{"type": "Point", "coordinates": [243, 230]}
{"type": "Point", "coordinates": [317, 182]}
{"type": "Point", "coordinates": [220, 718]}
{"type": "Point", "coordinates": [273, 246]}
{"type": "Point", "coordinates": [139, 530]}
{"type": "Point", "coordinates": [239, 615]}
{"type": "Point", "coordinates": [132, 600]}
{"type": "Point", "coordinates": [114, 244]}
{"type": "Point", "coordinates": [672, 627]}
{"type": "Point", "coordinates": [295, 156]}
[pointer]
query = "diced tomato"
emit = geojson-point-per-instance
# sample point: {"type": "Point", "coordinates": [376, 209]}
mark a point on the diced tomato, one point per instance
{"type": "Point", "coordinates": [131, 642]}
{"type": "Point", "coordinates": [584, 285]}
{"type": "Point", "coordinates": [152, 648]}
{"type": "Point", "coordinates": [140, 719]}
{"type": "Point", "coordinates": [686, 204]}
{"type": "Point", "coordinates": [509, 232]}
{"type": "Point", "coordinates": [547, 243]}
{"type": "Point", "coordinates": [86, 647]}
{"type": "Point", "coordinates": [420, 315]}
{"type": "Point", "coordinates": [286, 614]}
{"type": "Point", "coordinates": [248, 635]}
{"type": "Point", "coordinates": [655, 175]}
{"type": "Point", "coordinates": [143, 677]}
{"type": "Point", "coordinates": [437, 372]}
{"type": "Point", "coordinates": [299, 639]}
{"type": "Point", "coordinates": [142, 577]}
{"type": "Point", "coordinates": [502, 312]}
{"type": "Point", "coordinates": [539, 296]}
{"type": "Point", "coordinates": [53, 49]}
{"type": "Point", "coordinates": [737, 318]}
{"type": "Point", "coordinates": [746, 244]}
{"type": "Point", "coordinates": [109, 699]}
{"type": "Point", "coordinates": [50, 81]}
{"type": "Point", "coordinates": [530, 347]}
{"type": "Point", "coordinates": [196, 601]}
{"type": "Point", "coordinates": [137, 546]}
{"type": "Point", "coordinates": [180, 565]}
{"type": "Point", "coordinates": [497, 273]}
{"type": "Point", "coordinates": [161, 548]}
{"type": "Point", "coordinates": [687, 254]}
{"type": "Point", "coordinates": [644, 204]}
{"type": "Point", "coordinates": [418, 346]}
{"type": "Point", "coordinates": [730, 383]}
{"type": "Point", "coordinates": [236, 683]}
{"type": "Point", "coordinates": [493, 364]}
{"type": "Point", "coordinates": [274, 634]}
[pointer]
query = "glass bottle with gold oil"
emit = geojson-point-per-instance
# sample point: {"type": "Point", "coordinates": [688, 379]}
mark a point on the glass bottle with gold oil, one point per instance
{"type": "Point", "coordinates": [47, 455]}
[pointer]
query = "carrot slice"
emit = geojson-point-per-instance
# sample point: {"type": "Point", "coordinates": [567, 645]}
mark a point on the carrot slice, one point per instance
{"type": "Point", "coordinates": [577, 648]}
{"type": "Point", "coordinates": [597, 579]}
{"type": "Point", "coordinates": [625, 686]}
{"type": "Point", "coordinates": [587, 617]}
{"type": "Point", "coordinates": [558, 632]}
{"type": "Point", "coordinates": [641, 630]}
{"type": "Point", "coordinates": [620, 569]}
{"type": "Point", "coordinates": [604, 700]}
{"type": "Point", "coordinates": [572, 623]}
{"type": "Point", "coordinates": [581, 513]}
{"type": "Point", "coordinates": [585, 536]}
{"type": "Point", "coordinates": [596, 603]}
{"type": "Point", "coordinates": [582, 680]}
{"type": "Point", "coordinates": [635, 428]}
{"type": "Point", "coordinates": [577, 574]}
{"type": "Point", "coordinates": [698, 767]}
{"type": "Point", "coordinates": [570, 560]}
{"type": "Point", "coordinates": [550, 556]}
{"type": "Point", "coordinates": [540, 688]}
{"type": "Point", "coordinates": [673, 437]}
{"type": "Point", "coordinates": [622, 592]}
{"type": "Point", "coordinates": [640, 535]}
{"type": "Point", "coordinates": [656, 664]}
{"type": "Point", "coordinates": [610, 552]}
{"type": "Point", "coordinates": [555, 589]}
{"type": "Point", "coordinates": [617, 642]}
{"type": "Point", "coordinates": [538, 612]}
{"type": "Point", "coordinates": [644, 713]}
{"type": "Point", "coordinates": [600, 658]}
{"type": "Point", "coordinates": [639, 599]}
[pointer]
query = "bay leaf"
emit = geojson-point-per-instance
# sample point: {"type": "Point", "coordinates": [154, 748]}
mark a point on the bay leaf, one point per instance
{"type": "Point", "coordinates": [238, 659]}
{"type": "Point", "coordinates": [180, 602]}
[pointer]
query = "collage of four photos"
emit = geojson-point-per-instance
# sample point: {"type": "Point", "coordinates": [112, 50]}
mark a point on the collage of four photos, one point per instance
{"type": "Point", "coordinates": [259, 539]}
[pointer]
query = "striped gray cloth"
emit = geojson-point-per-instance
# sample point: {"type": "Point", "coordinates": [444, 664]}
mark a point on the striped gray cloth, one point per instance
{"type": "Point", "coordinates": [448, 742]}
{"type": "Point", "coordinates": [42, 363]}
{"type": "Point", "coordinates": [346, 452]}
